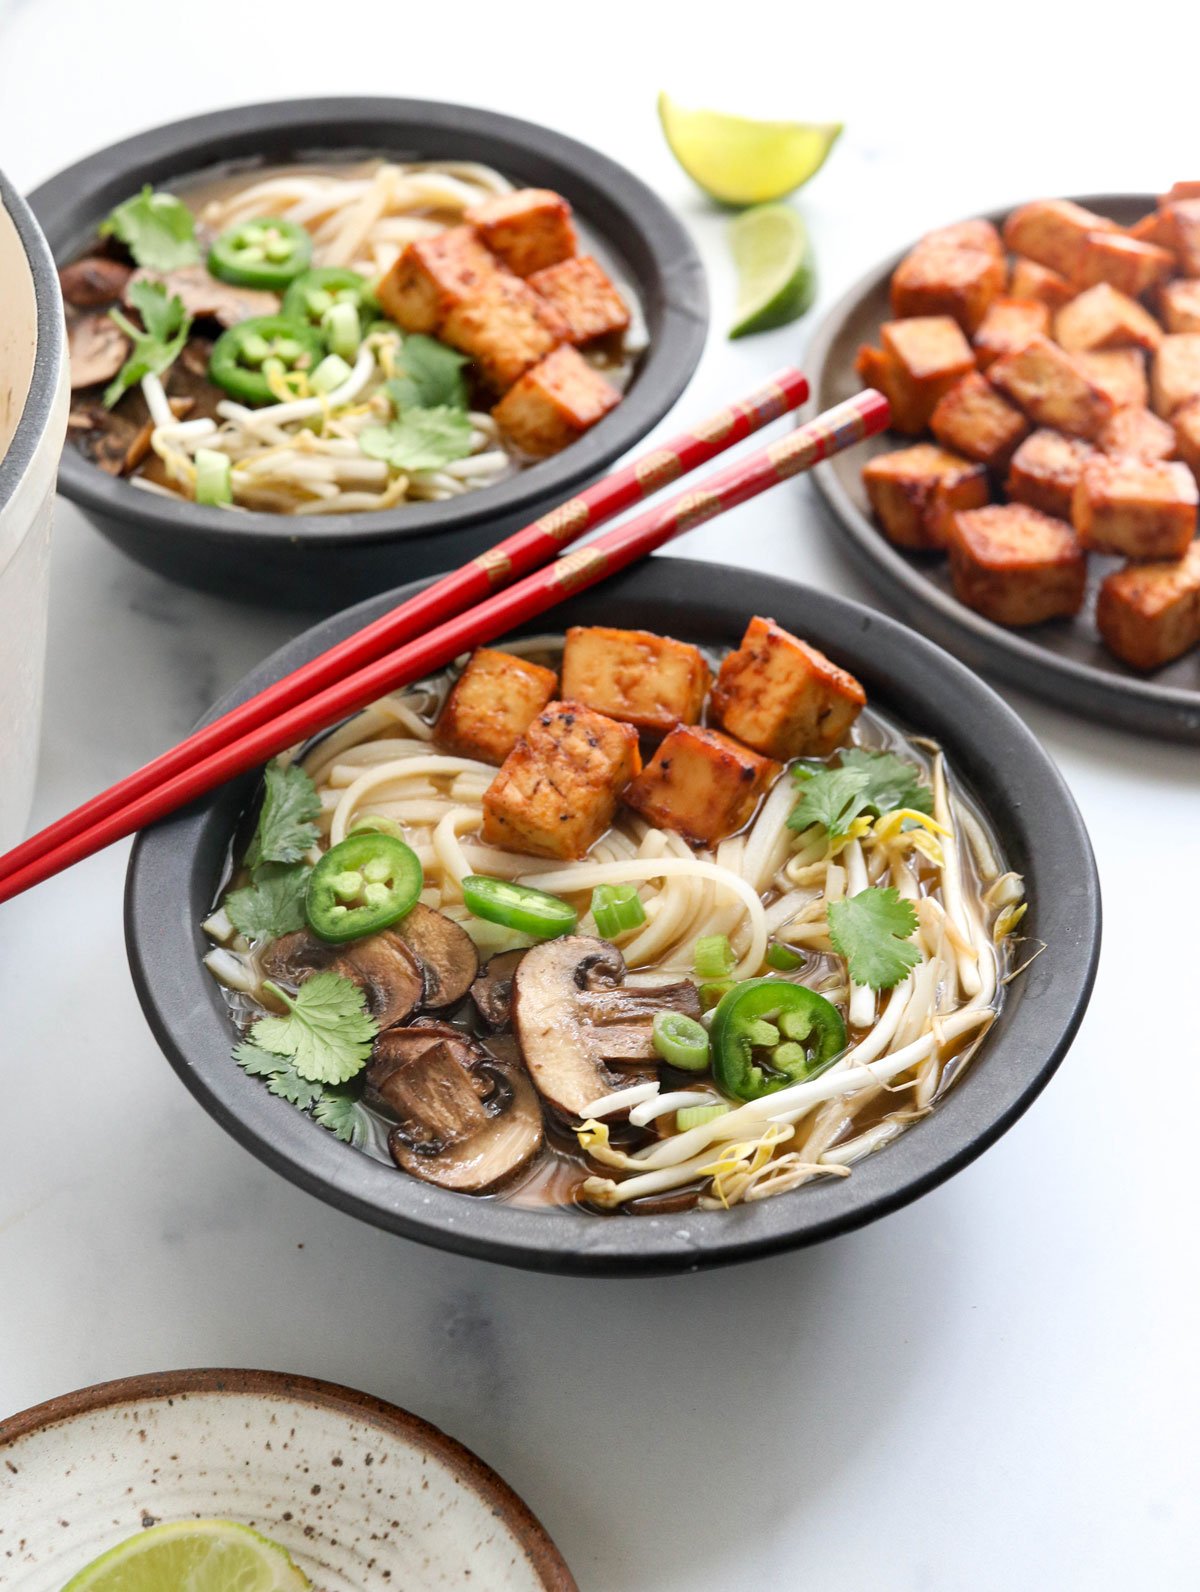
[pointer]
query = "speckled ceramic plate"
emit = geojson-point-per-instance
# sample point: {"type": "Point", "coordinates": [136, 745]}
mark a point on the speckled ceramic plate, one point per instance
{"type": "Point", "coordinates": [1063, 660]}
{"type": "Point", "coordinates": [361, 1494]}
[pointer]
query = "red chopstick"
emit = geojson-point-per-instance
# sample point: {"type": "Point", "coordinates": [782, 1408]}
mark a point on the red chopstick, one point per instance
{"type": "Point", "coordinates": [517, 555]}
{"type": "Point", "coordinates": [850, 422]}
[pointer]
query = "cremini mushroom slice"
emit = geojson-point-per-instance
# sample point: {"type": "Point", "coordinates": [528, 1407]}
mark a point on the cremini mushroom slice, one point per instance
{"type": "Point", "coordinates": [205, 298]}
{"type": "Point", "coordinates": [381, 965]}
{"type": "Point", "coordinates": [492, 990]}
{"type": "Point", "coordinates": [445, 951]}
{"type": "Point", "coordinates": [98, 348]}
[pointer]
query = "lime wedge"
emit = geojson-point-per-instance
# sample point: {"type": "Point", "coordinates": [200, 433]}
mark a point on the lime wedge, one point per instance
{"type": "Point", "coordinates": [201, 1555]}
{"type": "Point", "coordinates": [776, 280]}
{"type": "Point", "coordinates": [744, 162]}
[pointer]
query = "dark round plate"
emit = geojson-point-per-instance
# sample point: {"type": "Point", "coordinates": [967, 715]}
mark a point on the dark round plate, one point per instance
{"type": "Point", "coordinates": [1064, 660]}
{"type": "Point", "coordinates": [176, 867]}
{"type": "Point", "coordinates": [324, 561]}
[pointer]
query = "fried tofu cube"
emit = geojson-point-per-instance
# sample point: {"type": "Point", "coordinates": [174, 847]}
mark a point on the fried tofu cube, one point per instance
{"type": "Point", "coordinates": [784, 698]}
{"type": "Point", "coordinates": [1154, 228]}
{"type": "Point", "coordinates": [926, 356]}
{"type": "Point", "coordinates": [1121, 373]}
{"type": "Point", "coordinates": [1053, 232]}
{"type": "Point", "coordinates": [974, 420]}
{"type": "Point", "coordinates": [1183, 220]}
{"type": "Point", "coordinates": [941, 279]}
{"type": "Point", "coordinates": [492, 704]}
{"type": "Point", "coordinates": [1007, 326]}
{"type": "Point", "coordinates": [581, 291]}
{"type": "Point", "coordinates": [1179, 304]}
{"type": "Point", "coordinates": [1044, 472]}
{"type": "Point", "coordinates": [1185, 423]}
{"type": "Point", "coordinates": [504, 327]}
{"type": "Point", "coordinates": [1149, 614]}
{"type": "Point", "coordinates": [649, 681]}
{"type": "Point", "coordinates": [530, 228]}
{"type": "Point", "coordinates": [975, 234]}
{"type": "Point", "coordinates": [1104, 318]}
{"type": "Point", "coordinates": [1029, 280]}
{"type": "Point", "coordinates": [1129, 264]}
{"type": "Point", "coordinates": [1138, 434]}
{"type": "Point", "coordinates": [554, 403]}
{"type": "Point", "coordinates": [431, 276]}
{"type": "Point", "coordinates": [1044, 381]}
{"type": "Point", "coordinates": [1175, 374]}
{"type": "Point", "coordinates": [914, 491]}
{"type": "Point", "coordinates": [1138, 509]}
{"type": "Point", "coordinates": [1015, 565]}
{"type": "Point", "coordinates": [701, 784]}
{"type": "Point", "coordinates": [880, 370]}
{"type": "Point", "coordinates": [1181, 190]}
{"type": "Point", "coordinates": [558, 788]}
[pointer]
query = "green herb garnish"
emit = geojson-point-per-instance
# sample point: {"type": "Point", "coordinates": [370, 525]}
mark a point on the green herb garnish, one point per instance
{"type": "Point", "coordinates": [891, 782]}
{"type": "Point", "coordinates": [419, 439]}
{"type": "Point", "coordinates": [873, 931]}
{"type": "Point", "coordinates": [280, 1074]}
{"type": "Point", "coordinates": [157, 346]}
{"type": "Point", "coordinates": [344, 1116]}
{"type": "Point", "coordinates": [286, 829]}
{"type": "Point", "coordinates": [327, 1033]}
{"type": "Point", "coordinates": [272, 905]}
{"type": "Point", "coordinates": [864, 782]}
{"type": "Point", "coordinates": [157, 229]}
{"type": "Point", "coordinates": [431, 376]}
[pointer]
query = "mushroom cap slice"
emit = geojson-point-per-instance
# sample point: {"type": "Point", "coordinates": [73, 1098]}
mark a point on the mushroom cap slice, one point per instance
{"type": "Point", "coordinates": [97, 347]}
{"type": "Point", "coordinates": [445, 951]}
{"type": "Point", "coordinates": [492, 990]}
{"type": "Point", "coordinates": [205, 297]}
{"type": "Point", "coordinates": [381, 965]}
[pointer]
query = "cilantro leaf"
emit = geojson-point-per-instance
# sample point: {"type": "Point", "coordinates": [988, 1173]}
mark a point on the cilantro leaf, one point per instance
{"type": "Point", "coordinates": [337, 1110]}
{"type": "Point", "coordinates": [873, 931]}
{"type": "Point", "coordinates": [327, 1032]}
{"type": "Point", "coordinates": [157, 346]}
{"type": "Point", "coordinates": [273, 904]}
{"type": "Point", "coordinates": [890, 781]}
{"type": "Point", "coordinates": [832, 797]}
{"type": "Point", "coordinates": [431, 376]}
{"type": "Point", "coordinates": [157, 229]}
{"type": "Point", "coordinates": [344, 1116]}
{"type": "Point", "coordinates": [257, 1062]}
{"type": "Point", "coordinates": [285, 825]}
{"type": "Point", "coordinates": [864, 782]}
{"type": "Point", "coordinates": [419, 439]}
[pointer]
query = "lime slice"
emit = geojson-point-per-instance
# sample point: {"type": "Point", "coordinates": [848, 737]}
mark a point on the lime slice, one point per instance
{"type": "Point", "coordinates": [776, 280]}
{"type": "Point", "coordinates": [201, 1555]}
{"type": "Point", "coordinates": [744, 162]}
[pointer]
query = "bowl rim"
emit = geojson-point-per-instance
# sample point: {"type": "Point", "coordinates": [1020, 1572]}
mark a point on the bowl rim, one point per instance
{"type": "Point", "coordinates": [349, 1403]}
{"type": "Point", "coordinates": [70, 203]}
{"type": "Point", "coordinates": [1030, 798]}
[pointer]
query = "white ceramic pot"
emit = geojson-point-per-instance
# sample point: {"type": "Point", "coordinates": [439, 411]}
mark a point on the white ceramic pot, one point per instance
{"type": "Point", "coordinates": [33, 423]}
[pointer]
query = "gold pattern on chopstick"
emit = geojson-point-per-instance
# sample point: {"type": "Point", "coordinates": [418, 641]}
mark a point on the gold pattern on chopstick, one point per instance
{"type": "Point", "coordinates": [768, 403]}
{"type": "Point", "coordinates": [579, 568]}
{"type": "Point", "coordinates": [807, 444]}
{"type": "Point", "coordinates": [495, 565]}
{"type": "Point", "coordinates": [566, 521]}
{"type": "Point", "coordinates": [658, 470]}
{"type": "Point", "coordinates": [717, 428]}
{"type": "Point", "coordinates": [696, 507]}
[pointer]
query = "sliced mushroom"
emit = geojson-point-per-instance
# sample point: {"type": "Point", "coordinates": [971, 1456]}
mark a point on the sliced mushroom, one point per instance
{"type": "Point", "coordinates": [572, 1014]}
{"type": "Point", "coordinates": [93, 281]}
{"type": "Point", "coordinates": [492, 990]}
{"type": "Point", "coordinates": [97, 347]}
{"type": "Point", "coordinates": [204, 298]}
{"type": "Point", "coordinates": [381, 965]}
{"type": "Point", "coordinates": [445, 951]}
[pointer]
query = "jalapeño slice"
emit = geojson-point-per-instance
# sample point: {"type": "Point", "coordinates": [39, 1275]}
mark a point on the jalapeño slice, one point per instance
{"type": "Point", "coordinates": [244, 357]}
{"type": "Point", "coordinates": [264, 253]}
{"type": "Point", "coordinates": [366, 883]}
{"type": "Point", "coordinates": [517, 906]}
{"type": "Point", "coordinates": [767, 1033]}
{"type": "Point", "coordinates": [312, 295]}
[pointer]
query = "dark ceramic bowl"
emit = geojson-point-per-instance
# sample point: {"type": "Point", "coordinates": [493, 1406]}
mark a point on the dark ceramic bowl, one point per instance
{"type": "Point", "coordinates": [319, 561]}
{"type": "Point", "coordinates": [176, 869]}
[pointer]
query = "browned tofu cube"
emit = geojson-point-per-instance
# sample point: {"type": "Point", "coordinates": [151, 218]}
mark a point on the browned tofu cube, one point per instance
{"type": "Point", "coordinates": [1053, 232]}
{"type": "Point", "coordinates": [504, 327]}
{"type": "Point", "coordinates": [530, 228]}
{"type": "Point", "coordinates": [649, 681]}
{"type": "Point", "coordinates": [431, 276]}
{"type": "Point", "coordinates": [1179, 304]}
{"type": "Point", "coordinates": [701, 784]}
{"type": "Point", "coordinates": [1007, 326]}
{"type": "Point", "coordinates": [927, 356]}
{"type": "Point", "coordinates": [1044, 472]}
{"type": "Point", "coordinates": [1015, 565]}
{"type": "Point", "coordinates": [977, 234]}
{"type": "Point", "coordinates": [1183, 219]}
{"type": "Point", "coordinates": [1121, 373]}
{"type": "Point", "coordinates": [1185, 423]}
{"type": "Point", "coordinates": [558, 788]}
{"type": "Point", "coordinates": [1181, 190]}
{"type": "Point", "coordinates": [1175, 375]}
{"type": "Point", "coordinates": [492, 704]}
{"type": "Point", "coordinates": [1049, 386]}
{"type": "Point", "coordinates": [1154, 228]}
{"type": "Point", "coordinates": [1030, 280]}
{"type": "Point", "coordinates": [783, 697]}
{"type": "Point", "coordinates": [914, 491]}
{"type": "Point", "coordinates": [940, 279]}
{"type": "Point", "coordinates": [880, 370]}
{"type": "Point", "coordinates": [1139, 435]}
{"type": "Point", "coordinates": [1129, 264]}
{"type": "Point", "coordinates": [974, 420]}
{"type": "Point", "coordinates": [1150, 613]}
{"type": "Point", "coordinates": [554, 403]}
{"type": "Point", "coordinates": [583, 294]}
{"type": "Point", "coordinates": [1138, 509]}
{"type": "Point", "coordinates": [1104, 318]}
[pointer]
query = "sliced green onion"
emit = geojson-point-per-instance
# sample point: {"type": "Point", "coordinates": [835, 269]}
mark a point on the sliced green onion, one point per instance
{"type": "Point", "coordinates": [783, 959]}
{"type": "Point", "coordinates": [341, 327]}
{"type": "Point", "coordinates": [330, 374]}
{"type": "Point", "coordinates": [214, 476]}
{"type": "Point", "coordinates": [681, 1041]}
{"type": "Point", "coordinates": [377, 822]}
{"type": "Point", "coordinates": [616, 909]}
{"type": "Point", "coordinates": [714, 956]}
{"type": "Point", "coordinates": [697, 1116]}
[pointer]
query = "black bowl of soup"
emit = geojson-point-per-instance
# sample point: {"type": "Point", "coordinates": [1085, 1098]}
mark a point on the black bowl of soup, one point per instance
{"type": "Point", "coordinates": [404, 330]}
{"type": "Point", "coordinates": [520, 1098]}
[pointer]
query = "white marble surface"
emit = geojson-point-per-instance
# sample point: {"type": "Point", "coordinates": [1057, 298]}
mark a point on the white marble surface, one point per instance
{"type": "Point", "coordinates": [994, 1389]}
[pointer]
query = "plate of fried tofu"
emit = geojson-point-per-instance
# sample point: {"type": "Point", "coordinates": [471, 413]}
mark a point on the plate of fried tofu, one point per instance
{"type": "Point", "coordinates": [1034, 505]}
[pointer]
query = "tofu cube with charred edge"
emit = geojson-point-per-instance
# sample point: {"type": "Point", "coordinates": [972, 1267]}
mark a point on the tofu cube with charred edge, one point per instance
{"type": "Point", "coordinates": [941, 279]}
{"type": "Point", "coordinates": [1139, 510]}
{"type": "Point", "coordinates": [530, 228]}
{"type": "Point", "coordinates": [975, 234]}
{"type": "Point", "coordinates": [1175, 376]}
{"type": "Point", "coordinates": [1052, 390]}
{"type": "Point", "coordinates": [1179, 303]}
{"type": "Point", "coordinates": [558, 788]}
{"type": "Point", "coordinates": [492, 704]}
{"type": "Point", "coordinates": [1104, 318]}
{"type": "Point", "coordinates": [1130, 264]}
{"type": "Point", "coordinates": [1054, 232]}
{"type": "Point", "coordinates": [1185, 424]}
{"type": "Point", "coordinates": [1154, 228]}
{"type": "Point", "coordinates": [583, 294]}
{"type": "Point", "coordinates": [1008, 325]}
{"type": "Point", "coordinates": [920, 360]}
{"type": "Point", "coordinates": [1121, 373]}
{"type": "Point", "coordinates": [554, 403]}
{"type": "Point", "coordinates": [1183, 222]}
{"type": "Point", "coordinates": [782, 697]}
{"type": "Point", "coordinates": [1029, 280]}
{"type": "Point", "coordinates": [701, 784]}
{"type": "Point", "coordinates": [1044, 471]}
{"type": "Point", "coordinates": [1015, 565]}
{"type": "Point", "coordinates": [504, 327]}
{"type": "Point", "coordinates": [431, 276]}
{"type": "Point", "coordinates": [648, 681]}
{"type": "Point", "coordinates": [974, 420]}
{"type": "Point", "coordinates": [1149, 614]}
{"type": "Point", "coordinates": [914, 491]}
{"type": "Point", "coordinates": [1138, 434]}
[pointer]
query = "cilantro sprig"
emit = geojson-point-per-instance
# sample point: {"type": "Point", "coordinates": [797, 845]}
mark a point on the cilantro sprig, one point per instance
{"type": "Point", "coordinates": [286, 824]}
{"type": "Point", "coordinates": [336, 1107]}
{"type": "Point", "coordinates": [272, 904]}
{"type": "Point", "coordinates": [873, 930]}
{"type": "Point", "coordinates": [864, 782]}
{"type": "Point", "coordinates": [419, 439]}
{"type": "Point", "coordinates": [157, 229]}
{"type": "Point", "coordinates": [157, 343]}
{"type": "Point", "coordinates": [327, 1032]}
{"type": "Point", "coordinates": [430, 376]}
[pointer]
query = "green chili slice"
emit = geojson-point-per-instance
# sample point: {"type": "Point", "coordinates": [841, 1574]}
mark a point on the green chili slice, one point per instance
{"type": "Point", "coordinates": [616, 908]}
{"type": "Point", "coordinates": [681, 1041]}
{"type": "Point", "coordinates": [366, 883]}
{"type": "Point", "coordinates": [264, 253]}
{"type": "Point", "coordinates": [767, 1034]}
{"type": "Point", "coordinates": [782, 958]}
{"type": "Point", "coordinates": [517, 906]}
{"type": "Point", "coordinates": [243, 357]}
{"type": "Point", "coordinates": [313, 295]}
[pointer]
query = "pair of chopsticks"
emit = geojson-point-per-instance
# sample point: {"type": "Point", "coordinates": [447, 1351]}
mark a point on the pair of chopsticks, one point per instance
{"type": "Point", "coordinates": [519, 578]}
